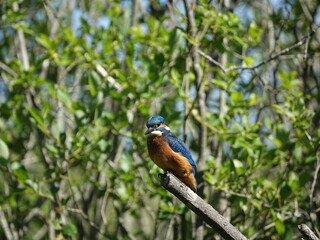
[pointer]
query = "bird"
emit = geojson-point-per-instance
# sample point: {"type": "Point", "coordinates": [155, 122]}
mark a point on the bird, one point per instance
{"type": "Point", "coordinates": [169, 152]}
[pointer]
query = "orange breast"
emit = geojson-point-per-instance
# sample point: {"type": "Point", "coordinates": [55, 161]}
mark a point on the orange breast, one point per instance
{"type": "Point", "coordinates": [164, 157]}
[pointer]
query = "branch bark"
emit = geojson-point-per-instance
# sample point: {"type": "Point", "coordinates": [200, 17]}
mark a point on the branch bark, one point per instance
{"type": "Point", "coordinates": [314, 182]}
{"type": "Point", "coordinates": [306, 232]}
{"type": "Point", "coordinates": [200, 207]}
{"type": "Point", "coordinates": [5, 226]}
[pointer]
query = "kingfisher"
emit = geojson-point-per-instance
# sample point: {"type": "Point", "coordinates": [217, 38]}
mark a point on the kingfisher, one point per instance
{"type": "Point", "coordinates": [169, 152]}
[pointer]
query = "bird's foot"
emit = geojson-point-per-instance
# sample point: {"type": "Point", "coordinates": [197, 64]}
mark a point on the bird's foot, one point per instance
{"type": "Point", "coordinates": [161, 174]}
{"type": "Point", "coordinates": [165, 173]}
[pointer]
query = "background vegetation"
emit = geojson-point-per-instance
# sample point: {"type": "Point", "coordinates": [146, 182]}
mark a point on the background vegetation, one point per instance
{"type": "Point", "coordinates": [79, 79]}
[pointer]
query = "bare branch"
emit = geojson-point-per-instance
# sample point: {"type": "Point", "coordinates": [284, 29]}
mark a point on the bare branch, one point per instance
{"type": "Point", "coordinates": [5, 225]}
{"type": "Point", "coordinates": [212, 60]}
{"type": "Point", "coordinates": [22, 43]}
{"type": "Point", "coordinates": [192, 27]}
{"type": "Point", "coordinates": [201, 100]}
{"type": "Point", "coordinates": [200, 207]}
{"type": "Point", "coordinates": [283, 52]}
{"type": "Point", "coordinates": [8, 69]}
{"type": "Point", "coordinates": [315, 177]}
{"type": "Point", "coordinates": [103, 72]}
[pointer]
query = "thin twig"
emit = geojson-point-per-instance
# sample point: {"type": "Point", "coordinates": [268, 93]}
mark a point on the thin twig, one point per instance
{"type": "Point", "coordinates": [284, 51]}
{"type": "Point", "coordinates": [85, 217]}
{"type": "Point", "coordinates": [212, 60]}
{"type": "Point", "coordinates": [306, 49]}
{"type": "Point", "coordinates": [8, 70]}
{"type": "Point", "coordinates": [315, 177]}
{"type": "Point", "coordinates": [265, 228]}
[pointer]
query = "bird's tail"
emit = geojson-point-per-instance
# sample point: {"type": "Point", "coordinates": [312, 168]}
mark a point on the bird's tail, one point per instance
{"type": "Point", "coordinates": [190, 181]}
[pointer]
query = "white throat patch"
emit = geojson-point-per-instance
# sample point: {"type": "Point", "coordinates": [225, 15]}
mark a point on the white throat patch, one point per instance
{"type": "Point", "coordinates": [156, 132]}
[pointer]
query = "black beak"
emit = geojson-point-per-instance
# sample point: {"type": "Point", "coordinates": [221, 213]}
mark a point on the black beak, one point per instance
{"type": "Point", "coordinates": [149, 130]}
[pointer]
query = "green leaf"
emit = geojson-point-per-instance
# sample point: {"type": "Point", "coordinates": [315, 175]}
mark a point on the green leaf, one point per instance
{"type": "Point", "coordinates": [236, 97]}
{"type": "Point", "coordinates": [122, 191]}
{"type": "Point", "coordinates": [268, 184]}
{"type": "Point", "coordinates": [65, 98]}
{"type": "Point", "coordinates": [175, 77]}
{"type": "Point", "coordinates": [280, 227]}
{"type": "Point", "coordinates": [19, 171]}
{"type": "Point", "coordinates": [285, 192]}
{"type": "Point", "coordinates": [44, 40]}
{"type": "Point", "coordinates": [249, 61]}
{"type": "Point", "coordinates": [126, 163]}
{"type": "Point", "coordinates": [220, 84]}
{"type": "Point", "coordinates": [239, 166]}
{"type": "Point", "coordinates": [103, 145]}
{"type": "Point", "coordinates": [69, 230]}
{"type": "Point", "coordinates": [39, 119]}
{"type": "Point", "coordinates": [4, 153]}
{"type": "Point", "coordinates": [52, 148]}
{"type": "Point", "coordinates": [255, 32]}
{"type": "Point", "coordinates": [294, 181]}
{"type": "Point", "coordinates": [32, 184]}
{"type": "Point", "coordinates": [283, 111]}
{"type": "Point", "coordinates": [176, 38]}
{"type": "Point", "coordinates": [92, 85]}
{"type": "Point", "coordinates": [208, 177]}
{"type": "Point", "coordinates": [167, 208]}
{"type": "Point", "coordinates": [256, 203]}
{"type": "Point", "coordinates": [123, 22]}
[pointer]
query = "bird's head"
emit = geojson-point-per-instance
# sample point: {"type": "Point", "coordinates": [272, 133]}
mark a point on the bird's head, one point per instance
{"type": "Point", "coordinates": [155, 124]}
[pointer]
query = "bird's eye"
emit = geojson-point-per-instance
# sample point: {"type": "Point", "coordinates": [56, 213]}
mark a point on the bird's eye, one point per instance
{"type": "Point", "coordinates": [156, 126]}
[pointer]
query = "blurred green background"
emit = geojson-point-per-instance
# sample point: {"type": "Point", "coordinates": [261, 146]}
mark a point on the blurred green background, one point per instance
{"type": "Point", "coordinates": [79, 79]}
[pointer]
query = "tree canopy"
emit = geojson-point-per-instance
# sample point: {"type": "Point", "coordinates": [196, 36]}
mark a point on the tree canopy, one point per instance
{"type": "Point", "coordinates": [238, 81]}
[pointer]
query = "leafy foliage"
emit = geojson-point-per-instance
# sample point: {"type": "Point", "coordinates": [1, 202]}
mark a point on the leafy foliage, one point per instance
{"type": "Point", "coordinates": [79, 80]}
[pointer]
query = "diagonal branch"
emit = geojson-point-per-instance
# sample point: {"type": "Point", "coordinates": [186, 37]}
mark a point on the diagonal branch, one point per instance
{"type": "Point", "coordinates": [306, 232]}
{"type": "Point", "coordinates": [8, 232]}
{"type": "Point", "coordinates": [9, 70]}
{"type": "Point", "coordinates": [200, 207]}
{"type": "Point", "coordinates": [304, 40]}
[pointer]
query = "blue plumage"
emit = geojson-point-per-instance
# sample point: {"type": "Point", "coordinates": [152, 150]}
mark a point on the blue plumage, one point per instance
{"type": "Point", "coordinates": [178, 146]}
{"type": "Point", "coordinates": [155, 120]}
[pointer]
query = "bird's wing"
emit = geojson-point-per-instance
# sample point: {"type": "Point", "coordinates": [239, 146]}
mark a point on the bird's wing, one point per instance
{"type": "Point", "coordinates": [178, 146]}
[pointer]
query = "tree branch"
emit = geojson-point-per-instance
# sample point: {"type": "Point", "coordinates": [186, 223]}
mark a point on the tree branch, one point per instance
{"type": "Point", "coordinates": [306, 232]}
{"type": "Point", "coordinates": [284, 51]}
{"type": "Point", "coordinates": [9, 70]}
{"type": "Point", "coordinates": [86, 218]}
{"type": "Point", "coordinates": [200, 207]}
{"type": "Point", "coordinates": [22, 43]}
{"type": "Point", "coordinates": [201, 99]}
{"type": "Point", "coordinates": [10, 234]}
{"type": "Point", "coordinates": [192, 28]}
{"type": "Point", "coordinates": [315, 177]}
